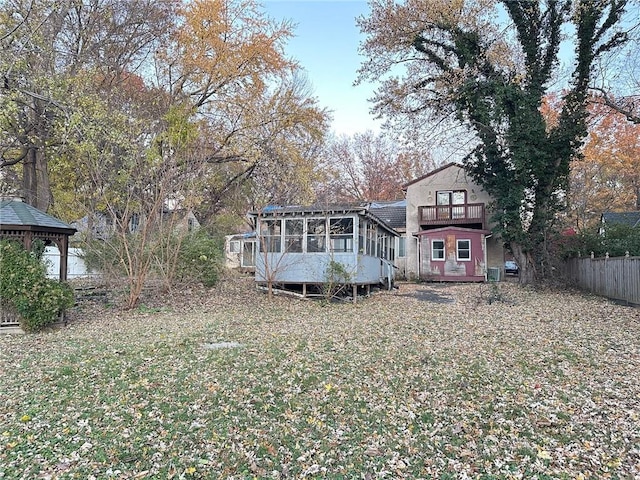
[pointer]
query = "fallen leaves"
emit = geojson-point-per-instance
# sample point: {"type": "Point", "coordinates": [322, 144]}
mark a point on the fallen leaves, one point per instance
{"type": "Point", "coordinates": [232, 384]}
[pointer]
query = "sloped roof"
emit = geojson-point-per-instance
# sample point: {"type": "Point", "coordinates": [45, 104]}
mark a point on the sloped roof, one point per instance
{"type": "Point", "coordinates": [625, 218]}
{"type": "Point", "coordinates": [394, 213]}
{"type": "Point", "coordinates": [20, 214]}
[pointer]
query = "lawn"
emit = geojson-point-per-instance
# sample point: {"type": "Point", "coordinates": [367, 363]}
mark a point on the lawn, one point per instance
{"type": "Point", "coordinates": [429, 381]}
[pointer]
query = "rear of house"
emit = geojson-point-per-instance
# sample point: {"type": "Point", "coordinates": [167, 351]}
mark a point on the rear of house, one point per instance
{"type": "Point", "coordinates": [448, 235]}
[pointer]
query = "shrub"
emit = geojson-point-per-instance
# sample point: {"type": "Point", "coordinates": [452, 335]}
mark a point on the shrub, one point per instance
{"type": "Point", "coordinates": [24, 286]}
{"type": "Point", "coordinates": [200, 258]}
{"type": "Point", "coordinates": [616, 241]}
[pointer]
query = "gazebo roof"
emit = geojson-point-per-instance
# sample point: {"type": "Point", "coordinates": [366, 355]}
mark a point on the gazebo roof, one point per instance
{"type": "Point", "coordinates": [21, 215]}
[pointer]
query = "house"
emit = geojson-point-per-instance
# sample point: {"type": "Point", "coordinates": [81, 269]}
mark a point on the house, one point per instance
{"type": "Point", "coordinates": [631, 219]}
{"type": "Point", "coordinates": [240, 251]}
{"type": "Point", "coordinates": [101, 226]}
{"type": "Point", "coordinates": [448, 237]}
{"type": "Point", "coordinates": [307, 248]}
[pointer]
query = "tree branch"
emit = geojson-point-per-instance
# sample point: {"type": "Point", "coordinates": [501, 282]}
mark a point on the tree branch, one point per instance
{"type": "Point", "coordinates": [628, 108]}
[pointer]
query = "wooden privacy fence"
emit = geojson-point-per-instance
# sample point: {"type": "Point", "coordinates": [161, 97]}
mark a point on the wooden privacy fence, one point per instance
{"type": "Point", "coordinates": [617, 278]}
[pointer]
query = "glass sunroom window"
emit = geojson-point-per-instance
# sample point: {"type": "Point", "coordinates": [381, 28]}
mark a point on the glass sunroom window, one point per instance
{"type": "Point", "coordinates": [316, 235]}
{"type": "Point", "coordinates": [293, 232]}
{"type": "Point", "coordinates": [271, 233]}
{"type": "Point", "coordinates": [341, 234]}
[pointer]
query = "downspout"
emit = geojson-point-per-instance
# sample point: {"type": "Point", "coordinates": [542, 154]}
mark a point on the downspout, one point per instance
{"type": "Point", "coordinates": [417, 255]}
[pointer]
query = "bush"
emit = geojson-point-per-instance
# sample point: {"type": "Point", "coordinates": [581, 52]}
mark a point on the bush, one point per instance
{"type": "Point", "coordinates": [616, 241]}
{"type": "Point", "coordinates": [24, 286]}
{"type": "Point", "coordinates": [200, 258]}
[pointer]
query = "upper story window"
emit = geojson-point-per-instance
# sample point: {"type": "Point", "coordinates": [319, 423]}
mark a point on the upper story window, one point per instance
{"type": "Point", "coordinates": [450, 199]}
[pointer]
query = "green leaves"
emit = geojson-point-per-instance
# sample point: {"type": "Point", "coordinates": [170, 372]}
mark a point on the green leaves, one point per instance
{"type": "Point", "coordinates": [25, 288]}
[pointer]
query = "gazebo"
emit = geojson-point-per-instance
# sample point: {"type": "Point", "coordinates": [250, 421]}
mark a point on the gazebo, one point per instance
{"type": "Point", "coordinates": [24, 223]}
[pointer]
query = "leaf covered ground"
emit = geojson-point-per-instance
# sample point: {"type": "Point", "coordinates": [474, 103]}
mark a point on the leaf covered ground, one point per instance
{"type": "Point", "coordinates": [428, 381]}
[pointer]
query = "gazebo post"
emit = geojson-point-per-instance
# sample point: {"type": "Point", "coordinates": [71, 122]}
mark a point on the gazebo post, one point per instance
{"type": "Point", "coordinates": [64, 254]}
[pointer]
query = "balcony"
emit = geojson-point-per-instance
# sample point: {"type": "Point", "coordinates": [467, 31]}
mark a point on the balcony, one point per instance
{"type": "Point", "coordinates": [443, 215]}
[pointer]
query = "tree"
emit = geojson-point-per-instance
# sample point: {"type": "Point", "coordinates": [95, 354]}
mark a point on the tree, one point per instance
{"type": "Point", "coordinates": [368, 167]}
{"type": "Point", "coordinates": [226, 64]}
{"type": "Point", "coordinates": [606, 177]}
{"type": "Point", "coordinates": [489, 65]}
{"type": "Point", "coordinates": [44, 45]}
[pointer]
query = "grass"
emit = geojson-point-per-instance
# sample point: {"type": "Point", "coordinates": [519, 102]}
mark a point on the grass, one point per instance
{"type": "Point", "coordinates": [544, 385]}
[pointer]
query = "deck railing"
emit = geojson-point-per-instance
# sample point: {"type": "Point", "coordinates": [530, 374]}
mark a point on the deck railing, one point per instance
{"type": "Point", "coordinates": [452, 214]}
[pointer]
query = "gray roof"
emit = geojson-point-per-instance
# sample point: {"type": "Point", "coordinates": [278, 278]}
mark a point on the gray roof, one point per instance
{"type": "Point", "coordinates": [394, 213]}
{"type": "Point", "coordinates": [20, 214]}
{"type": "Point", "coordinates": [625, 218]}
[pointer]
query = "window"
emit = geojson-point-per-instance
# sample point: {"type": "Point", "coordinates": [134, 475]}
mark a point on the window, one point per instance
{"type": "Point", "coordinates": [437, 250]}
{"type": "Point", "coordinates": [449, 200]}
{"type": "Point", "coordinates": [362, 236]}
{"type": "Point", "coordinates": [234, 246]}
{"type": "Point", "coordinates": [402, 247]}
{"type": "Point", "coordinates": [382, 245]}
{"type": "Point", "coordinates": [249, 254]}
{"type": "Point", "coordinates": [190, 224]}
{"type": "Point", "coordinates": [271, 232]}
{"type": "Point", "coordinates": [463, 249]}
{"type": "Point", "coordinates": [341, 234]}
{"type": "Point", "coordinates": [293, 231]}
{"type": "Point", "coordinates": [371, 239]}
{"type": "Point", "coordinates": [316, 235]}
{"type": "Point", "coordinates": [134, 223]}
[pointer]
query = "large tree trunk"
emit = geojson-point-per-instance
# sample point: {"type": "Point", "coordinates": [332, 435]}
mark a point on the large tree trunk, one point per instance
{"type": "Point", "coordinates": [526, 264]}
{"type": "Point", "coordinates": [35, 179]}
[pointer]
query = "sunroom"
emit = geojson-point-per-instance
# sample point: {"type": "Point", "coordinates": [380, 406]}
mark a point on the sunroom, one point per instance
{"type": "Point", "coordinates": [307, 249]}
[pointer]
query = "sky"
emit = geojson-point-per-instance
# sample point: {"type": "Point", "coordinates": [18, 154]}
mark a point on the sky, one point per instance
{"type": "Point", "coordinates": [325, 43]}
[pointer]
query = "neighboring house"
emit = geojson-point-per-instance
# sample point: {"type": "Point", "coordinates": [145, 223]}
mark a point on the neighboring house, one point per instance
{"type": "Point", "coordinates": [632, 219]}
{"type": "Point", "coordinates": [306, 248]}
{"type": "Point", "coordinates": [100, 225]}
{"type": "Point", "coordinates": [240, 251]}
{"type": "Point", "coordinates": [448, 237]}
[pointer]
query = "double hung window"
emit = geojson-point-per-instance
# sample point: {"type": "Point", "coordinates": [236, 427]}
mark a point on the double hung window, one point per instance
{"type": "Point", "coordinates": [463, 250]}
{"type": "Point", "coordinates": [437, 250]}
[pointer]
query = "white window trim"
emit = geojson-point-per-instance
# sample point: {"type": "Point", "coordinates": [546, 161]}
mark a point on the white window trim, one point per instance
{"type": "Point", "coordinates": [458, 240]}
{"type": "Point", "coordinates": [444, 253]}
